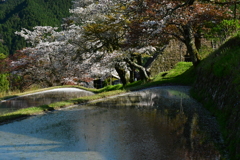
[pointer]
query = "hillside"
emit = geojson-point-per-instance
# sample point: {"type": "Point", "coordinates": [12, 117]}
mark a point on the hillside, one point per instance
{"type": "Point", "coordinates": [218, 87]}
{"type": "Point", "coordinates": [17, 14]}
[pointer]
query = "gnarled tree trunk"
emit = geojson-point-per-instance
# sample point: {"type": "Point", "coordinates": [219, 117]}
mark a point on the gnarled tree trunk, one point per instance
{"type": "Point", "coordinates": [122, 73]}
{"type": "Point", "coordinates": [189, 41]}
{"type": "Point", "coordinates": [141, 68]}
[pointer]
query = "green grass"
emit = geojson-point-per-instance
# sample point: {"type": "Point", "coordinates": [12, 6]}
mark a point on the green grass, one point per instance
{"type": "Point", "coordinates": [182, 73]}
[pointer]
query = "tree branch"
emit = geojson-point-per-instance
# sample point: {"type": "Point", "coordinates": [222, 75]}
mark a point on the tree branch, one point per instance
{"type": "Point", "coordinates": [154, 57]}
{"type": "Point", "coordinates": [138, 66]}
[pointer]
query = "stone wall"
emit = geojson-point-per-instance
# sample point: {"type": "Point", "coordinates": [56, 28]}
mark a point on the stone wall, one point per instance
{"type": "Point", "coordinates": [177, 52]}
{"type": "Point", "coordinates": [173, 54]}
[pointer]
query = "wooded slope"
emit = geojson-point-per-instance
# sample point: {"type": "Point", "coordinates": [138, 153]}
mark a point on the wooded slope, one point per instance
{"type": "Point", "coordinates": [17, 14]}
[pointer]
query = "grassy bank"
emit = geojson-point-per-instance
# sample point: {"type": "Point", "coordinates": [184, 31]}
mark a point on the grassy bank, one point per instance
{"type": "Point", "coordinates": [217, 87]}
{"type": "Point", "coordinates": [179, 75]}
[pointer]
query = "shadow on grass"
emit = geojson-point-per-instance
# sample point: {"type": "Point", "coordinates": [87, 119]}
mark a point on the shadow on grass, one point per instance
{"type": "Point", "coordinates": [110, 88]}
{"type": "Point", "coordinates": [45, 108]}
{"type": "Point", "coordinates": [12, 117]}
{"type": "Point", "coordinates": [24, 113]}
{"type": "Point", "coordinates": [186, 78]}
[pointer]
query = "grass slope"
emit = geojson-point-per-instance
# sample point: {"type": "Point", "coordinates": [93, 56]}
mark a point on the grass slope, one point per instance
{"type": "Point", "coordinates": [217, 87]}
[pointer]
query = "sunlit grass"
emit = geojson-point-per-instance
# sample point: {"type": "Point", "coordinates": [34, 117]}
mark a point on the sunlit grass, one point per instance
{"type": "Point", "coordinates": [178, 74]}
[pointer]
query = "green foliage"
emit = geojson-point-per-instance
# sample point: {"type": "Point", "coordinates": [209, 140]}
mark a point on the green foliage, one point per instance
{"type": "Point", "coordinates": [4, 83]}
{"type": "Point", "coordinates": [3, 49]}
{"type": "Point", "coordinates": [2, 56]}
{"type": "Point", "coordinates": [225, 29]}
{"type": "Point", "coordinates": [182, 74]}
{"type": "Point", "coordinates": [18, 14]}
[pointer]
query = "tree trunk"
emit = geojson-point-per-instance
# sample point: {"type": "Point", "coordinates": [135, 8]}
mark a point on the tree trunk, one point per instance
{"type": "Point", "coordinates": [132, 74]}
{"type": "Point", "coordinates": [122, 74]}
{"type": "Point", "coordinates": [197, 38]}
{"type": "Point", "coordinates": [190, 44]}
{"type": "Point", "coordinates": [141, 71]}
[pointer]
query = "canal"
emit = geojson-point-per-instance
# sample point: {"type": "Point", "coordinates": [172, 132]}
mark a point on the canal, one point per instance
{"type": "Point", "coordinates": [162, 123]}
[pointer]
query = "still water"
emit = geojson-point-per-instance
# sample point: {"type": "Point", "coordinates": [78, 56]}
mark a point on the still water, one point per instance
{"type": "Point", "coordinates": [40, 98]}
{"type": "Point", "coordinates": [161, 123]}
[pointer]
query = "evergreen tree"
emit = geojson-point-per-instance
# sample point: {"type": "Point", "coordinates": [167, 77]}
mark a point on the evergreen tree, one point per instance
{"type": "Point", "coordinates": [18, 14]}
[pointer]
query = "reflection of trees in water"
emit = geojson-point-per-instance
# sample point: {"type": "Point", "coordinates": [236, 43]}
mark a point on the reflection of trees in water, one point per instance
{"type": "Point", "coordinates": [40, 99]}
{"type": "Point", "coordinates": [190, 138]}
{"type": "Point", "coordinates": [182, 117]}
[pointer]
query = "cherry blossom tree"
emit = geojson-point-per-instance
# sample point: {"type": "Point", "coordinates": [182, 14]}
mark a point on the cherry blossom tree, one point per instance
{"type": "Point", "coordinates": [106, 34]}
{"type": "Point", "coordinates": [109, 33]}
{"type": "Point", "coordinates": [93, 35]}
{"type": "Point", "coordinates": [183, 20]}
{"type": "Point", "coordinates": [52, 56]}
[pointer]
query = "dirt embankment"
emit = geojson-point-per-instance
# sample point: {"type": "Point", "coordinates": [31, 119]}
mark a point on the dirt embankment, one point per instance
{"type": "Point", "coordinates": [218, 88]}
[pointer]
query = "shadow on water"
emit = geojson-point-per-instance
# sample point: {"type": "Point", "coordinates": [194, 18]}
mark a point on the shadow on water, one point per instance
{"type": "Point", "coordinates": [154, 124]}
{"type": "Point", "coordinates": [41, 98]}
{"type": "Point", "coordinates": [193, 126]}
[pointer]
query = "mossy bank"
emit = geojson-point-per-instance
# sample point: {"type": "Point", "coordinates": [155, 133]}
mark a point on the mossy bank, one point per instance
{"type": "Point", "coordinates": [217, 87]}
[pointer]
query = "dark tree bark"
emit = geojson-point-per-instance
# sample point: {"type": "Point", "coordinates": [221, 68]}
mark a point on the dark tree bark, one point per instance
{"type": "Point", "coordinates": [132, 72]}
{"type": "Point", "coordinates": [141, 68]}
{"type": "Point", "coordinates": [141, 71]}
{"type": "Point", "coordinates": [197, 38]}
{"type": "Point", "coordinates": [122, 74]}
{"type": "Point", "coordinates": [190, 2]}
{"type": "Point", "coordinates": [189, 41]}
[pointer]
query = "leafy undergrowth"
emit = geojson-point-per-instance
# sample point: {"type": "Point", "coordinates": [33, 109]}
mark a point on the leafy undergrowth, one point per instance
{"type": "Point", "coordinates": [181, 74]}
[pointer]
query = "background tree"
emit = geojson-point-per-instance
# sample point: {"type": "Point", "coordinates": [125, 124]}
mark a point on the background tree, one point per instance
{"type": "Point", "coordinates": [18, 14]}
{"type": "Point", "coordinates": [4, 83]}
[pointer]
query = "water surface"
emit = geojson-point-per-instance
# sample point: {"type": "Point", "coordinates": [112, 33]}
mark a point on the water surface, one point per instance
{"type": "Point", "coordinates": [155, 124]}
